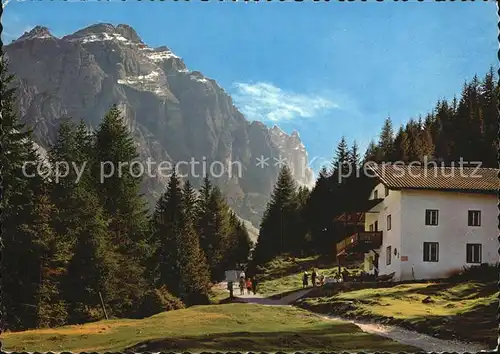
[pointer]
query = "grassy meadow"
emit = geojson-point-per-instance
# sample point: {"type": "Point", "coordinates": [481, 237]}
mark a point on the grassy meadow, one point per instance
{"type": "Point", "coordinates": [229, 327]}
{"type": "Point", "coordinates": [464, 310]}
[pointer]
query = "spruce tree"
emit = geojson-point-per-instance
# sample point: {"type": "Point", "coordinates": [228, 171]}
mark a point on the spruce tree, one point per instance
{"type": "Point", "coordinates": [341, 156]}
{"type": "Point", "coordinates": [219, 236]}
{"type": "Point", "coordinates": [386, 141]}
{"type": "Point", "coordinates": [94, 267]}
{"type": "Point", "coordinates": [276, 234]}
{"type": "Point", "coordinates": [193, 269]}
{"type": "Point", "coordinates": [20, 266]}
{"type": "Point", "coordinates": [123, 205]}
{"type": "Point", "coordinates": [51, 310]}
{"type": "Point", "coordinates": [119, 193]}
{"type": "Point", "coordinates": [168, 228]}
{"type": "Point", "coordinates": [205, 219]}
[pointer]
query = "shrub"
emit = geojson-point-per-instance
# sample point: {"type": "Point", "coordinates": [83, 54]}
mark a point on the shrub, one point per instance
{"type": "Point", "coordinates": [483, 272]}
{"type": "Point", "coordinates": [156, 301]}
{"type": "Point", "coordinates": [82, 313]}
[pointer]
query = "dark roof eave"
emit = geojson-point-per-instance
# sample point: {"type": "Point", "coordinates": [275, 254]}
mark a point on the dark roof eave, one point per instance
{"type": "Point", "coordinates": [479, 191]}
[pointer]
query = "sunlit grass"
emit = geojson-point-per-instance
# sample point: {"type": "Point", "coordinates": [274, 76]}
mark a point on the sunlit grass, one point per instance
{"type": "Point", "coordinates": [463, 310]}
{"type": "Point", "coordinates": [215, 327]}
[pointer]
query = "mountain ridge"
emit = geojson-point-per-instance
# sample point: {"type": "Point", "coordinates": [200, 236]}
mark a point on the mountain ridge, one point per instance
{"type": "Point", "coordinates": [173, 113]}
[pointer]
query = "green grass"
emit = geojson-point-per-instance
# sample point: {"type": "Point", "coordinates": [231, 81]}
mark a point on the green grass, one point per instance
{"type": "Point", "coordinates": [284, 274]}
{"type": "Point", "coordinates": [230, 327]}
{"type": "Point", "coordinates": [217, 295]}
{"type": "Point", "coordinates": [464, 310]}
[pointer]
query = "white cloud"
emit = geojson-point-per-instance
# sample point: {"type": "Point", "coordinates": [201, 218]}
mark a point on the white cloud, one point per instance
{"type": "Point", "coordinates": [264, 101]}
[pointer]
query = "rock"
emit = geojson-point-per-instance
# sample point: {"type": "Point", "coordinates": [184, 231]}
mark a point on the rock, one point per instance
{"type": "Point", "coordinates": [427, 300]}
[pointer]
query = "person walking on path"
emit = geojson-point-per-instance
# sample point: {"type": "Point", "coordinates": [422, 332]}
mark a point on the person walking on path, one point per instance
{"type": "Point", "coordinates": [305, 279]}
{"type": "Point", "coordinates": [321, 280]}
{"type": "Point", "coordinates": [249, 286]}
{"type": "Point", "coordinates": [313, 277]}
{"type": "Point", "coordinates": [254, 286]}
{"type": "Point", "coordinates": [242, 286]}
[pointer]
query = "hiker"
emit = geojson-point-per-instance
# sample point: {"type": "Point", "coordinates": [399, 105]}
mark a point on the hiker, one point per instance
{"type": "Point", "coordinates": [313, 277]}
{"type": "Point", "coordinates": [345, 275]}
{"type": "Point", "coordinates": [242, 286]}
{"type": "Point", "coordinates": [305, 278]}
{"type": "Point", "coordinates": [321, 280]}
{"type": "Point", "coordinates": [249, 286]}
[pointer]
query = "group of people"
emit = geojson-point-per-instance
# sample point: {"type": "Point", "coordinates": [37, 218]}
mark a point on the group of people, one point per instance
{"type": "Point", "coordinates": [246, 283]}
{"type": "Point", "coordinates": [316, 279]}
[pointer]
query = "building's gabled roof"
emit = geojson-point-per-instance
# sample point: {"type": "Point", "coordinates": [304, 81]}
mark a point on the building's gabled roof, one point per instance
{"type": "Point", "coordinates": [460, 179]}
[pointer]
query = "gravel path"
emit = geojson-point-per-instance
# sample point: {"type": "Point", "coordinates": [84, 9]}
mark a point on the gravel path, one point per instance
{"type": "Point", "coordinates": [286, 300]}
{"type": "Point", "coordinates": [425, 342]}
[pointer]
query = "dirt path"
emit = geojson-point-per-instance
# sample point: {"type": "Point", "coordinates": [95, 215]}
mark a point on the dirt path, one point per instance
{"type": "Point", "coordinates": [398, 334]}
{"type": "Point", "coordinates": [286, 300]}
{"type": "Point", "coordinates": [419, 340]}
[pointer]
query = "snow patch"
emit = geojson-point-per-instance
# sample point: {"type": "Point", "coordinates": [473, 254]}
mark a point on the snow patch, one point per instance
{"type": "Point", "coordinates": [160, 56]}
{"type": "Point", "coordinates": [199, 79]}
{"type": "Point", "coordinates": [102, 37]}
{"type": "Point", "coordinates": [151, 82]}
{"type": "Point", "coordinates": [139, 79]}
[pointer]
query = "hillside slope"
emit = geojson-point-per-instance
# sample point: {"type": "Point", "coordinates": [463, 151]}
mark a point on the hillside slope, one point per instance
{"type": "Point", "coordinates": [231, 327]}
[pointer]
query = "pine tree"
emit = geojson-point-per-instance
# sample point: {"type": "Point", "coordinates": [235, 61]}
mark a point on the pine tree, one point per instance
{"type": "Point", "coordinates": [93, 267]}
{"type": "Point", "coordinates": [386, 141]}
{"type": "Point", "coordinates": [277, 228]}
{"type": "Point", "coordinates": [243, 244]}
{"type": "Point", "coordinates": [354, 159]}
{"type": "Point", "coordinates": [341, 157]}
{"type": "Point", "coordinates": [123, 205]}
{"type": "Point", "coordinates": [205, 219]}
{"type": "Point", "coordinates": [489, 93]}
{"type": "Point", "coordinates": [51, 309]}
{"type": "Point", "coordinates": [193, 269]}
{"type": "Point", "coordinates": [401, 146]}
{"type": "Point", "coordinates": [219, 236]}
{"type": "Point", "coordinates": [119, 193]}
{"type": "Point", "coordinates": [168, 218]}
{"type": "Point", "coordinates": [317, 210]}
{"type": "Point", "coordinates": [20, 266]}
{"type": "Point", "coordinates": [371, 153]}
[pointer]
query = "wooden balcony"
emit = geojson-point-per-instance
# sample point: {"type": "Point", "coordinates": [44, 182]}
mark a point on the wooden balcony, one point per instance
{"type": "Point", "coordinates": [360, 242]}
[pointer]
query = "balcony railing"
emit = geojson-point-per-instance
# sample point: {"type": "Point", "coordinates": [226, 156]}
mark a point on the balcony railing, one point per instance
{"type": "Point", "coordinates": [360, 242]}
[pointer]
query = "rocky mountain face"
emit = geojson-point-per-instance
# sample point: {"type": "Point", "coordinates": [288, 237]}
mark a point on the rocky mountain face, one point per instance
{"type": "Point", "coordinates": [174, 114]}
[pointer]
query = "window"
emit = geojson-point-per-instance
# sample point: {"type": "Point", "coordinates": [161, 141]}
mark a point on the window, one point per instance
{"type": "Point", "coordinates": [386, 191]}
{"type": "Point", "coordinates": [474, 218]}
{"type": "Point", "coordinates": [388, 255]}
{"type": "Point", "coordinates": [375, 226]}
{"type": "Point", "coordinates": [375, 194]}
{"type": "Point", "coordinates": [473, 252]}
{"type": "Point", "coordinates": [431, 251]}
{"type": "Point", "coordinates": [431, 217]}
{"type": "Point", "coordinates": [389, 224]}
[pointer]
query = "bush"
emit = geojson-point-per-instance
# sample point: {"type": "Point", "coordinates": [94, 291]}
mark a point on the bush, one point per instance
{"type": "Point", "coordinates": [156, 301]}
{"type": "Point", "coordinates": [82, 313]}
{"type": "Point", "coordinates": [483, 272]}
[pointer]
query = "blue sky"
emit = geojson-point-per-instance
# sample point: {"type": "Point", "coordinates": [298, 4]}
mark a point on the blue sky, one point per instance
{"type": "Point", "coordinates": [324, 69]}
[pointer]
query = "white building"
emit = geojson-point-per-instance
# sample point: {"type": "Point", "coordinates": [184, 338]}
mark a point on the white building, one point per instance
{"type": "Point", "coordinates": [427, 223]}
